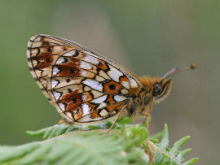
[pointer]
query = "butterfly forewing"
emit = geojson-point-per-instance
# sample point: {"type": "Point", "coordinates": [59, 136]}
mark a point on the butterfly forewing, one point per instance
{"type": "Point", "coordinates": [82, 85]}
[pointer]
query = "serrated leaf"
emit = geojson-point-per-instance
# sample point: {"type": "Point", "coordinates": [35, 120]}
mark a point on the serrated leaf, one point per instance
{"type": "Point", "coordinates": [183, 153]}
{"type": "Point", "coordinates": [130, 145]}
{"type": "Point", "coordinates": [191, 161]}
{"type": "Point", "coordinates": [177, 145]}
{"type": "Point", "coordinates": [39, 154]}
{"type": "Point", "coordinates": [82, 149]}
{"type": "Point", "coordinates": [164, 144]}
{"type": "Point", "coordinates": [165, 155]}
{"type": "Point", "coordinates": [36, 133]}
{"type": "Point", "coordinates": [158, 158]}
{"type": "Point", "coordinates": [17, 152]}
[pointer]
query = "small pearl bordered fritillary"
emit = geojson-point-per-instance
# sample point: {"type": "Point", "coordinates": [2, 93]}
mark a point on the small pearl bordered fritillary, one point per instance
{"type": "Point", "coordinates": [86, 87]}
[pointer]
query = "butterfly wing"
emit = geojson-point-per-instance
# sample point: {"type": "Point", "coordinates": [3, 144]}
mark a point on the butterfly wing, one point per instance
{"type": "Point", "coordinates": [83, 85]}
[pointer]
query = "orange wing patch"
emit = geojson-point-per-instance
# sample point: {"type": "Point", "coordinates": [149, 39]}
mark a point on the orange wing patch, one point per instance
{"type": "Point", "coordinates": [102, 65]}
{"type": "Point", "coordinates": [112, 87]}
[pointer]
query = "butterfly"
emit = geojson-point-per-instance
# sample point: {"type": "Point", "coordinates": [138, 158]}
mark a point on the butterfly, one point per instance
{"type": "Point", "coordinates": [86, 87]}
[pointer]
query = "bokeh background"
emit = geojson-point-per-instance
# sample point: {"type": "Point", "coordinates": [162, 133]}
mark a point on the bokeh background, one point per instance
{"type": "Point", "coordinates": [145, 36]}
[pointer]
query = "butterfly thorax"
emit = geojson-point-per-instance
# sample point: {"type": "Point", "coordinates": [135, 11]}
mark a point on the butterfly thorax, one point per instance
{"type": "Point", "coordinates": [154, 90]}
{"type": "Point", "coordinates": [139, 103]}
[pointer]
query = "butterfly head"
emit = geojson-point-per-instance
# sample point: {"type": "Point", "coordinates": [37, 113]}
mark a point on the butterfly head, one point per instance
{"type": "Point", "coordinates": [160, 87]}
{"type": "Point", "coordinates": [157, 87]}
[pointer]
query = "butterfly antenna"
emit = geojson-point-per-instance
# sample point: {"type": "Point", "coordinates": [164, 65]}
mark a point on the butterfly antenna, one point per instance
{"type": "Point", "coordinates": [177, 70]}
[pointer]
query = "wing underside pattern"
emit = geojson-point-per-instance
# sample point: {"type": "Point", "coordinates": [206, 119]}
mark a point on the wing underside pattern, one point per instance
{"type": "Point", "coordinates": [82, 85]}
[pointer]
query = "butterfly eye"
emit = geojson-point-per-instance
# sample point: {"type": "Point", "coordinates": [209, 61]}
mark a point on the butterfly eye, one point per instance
{"type": "Point", "coordinates": [157, 89]}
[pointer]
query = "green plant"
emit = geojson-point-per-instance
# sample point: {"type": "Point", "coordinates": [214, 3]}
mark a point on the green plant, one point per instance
{"type": "Point", "coordinates": [89, 145]}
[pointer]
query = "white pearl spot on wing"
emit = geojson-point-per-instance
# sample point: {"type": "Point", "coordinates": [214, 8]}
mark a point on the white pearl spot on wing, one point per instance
{"type": "Point", "coordinates": [62, 107]}
{"type": "Point", "coordinates": [119, 98]}
{"type": "Point", "coordinates": [55, 70]}
{"type": "Point", "coordinates": [100, 99]}
{"type": "Point", "coordinates": [114, 73]}
{"type": "Point", "coordinates": [54, 83]}
{"type": "Point", "coordinates": [125, 84]}
{"type": "Point", "coordinates": [85, 65]}
{"type": "Point", "coordinates": [57, 95]}
{"type": "Point", "coordinates": [84, 73]}
{"type": "Point", "coordinates": [60, 60]}
{"type": "Point", "coordinates": [91, 59]}
{"type": "Point", "coordinates": [93, 84]}
{"type": "Point", "coordinates": [133, 83]}
{"type": "Point", "coordinates": [86, 109]}
{"type": "Point", "coordinates": [70, 53]}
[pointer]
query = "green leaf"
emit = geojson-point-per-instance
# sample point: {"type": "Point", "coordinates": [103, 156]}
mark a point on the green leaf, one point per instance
{"type": "Point", "coordinates": [124, 120]}
{"type": "Point", "coordinates": [17, 152]}
{"type": "Point", "coordinates": [53, 131]}
{"type": "Point", "coordinates": [191, 161]}
{"type": "Point", "coordinates": [164, 144]}
{"type": "Point", "coordinates": [171, 156]}
{"type": "Point", "coordinates": [177, 145]}
{"type": "Point", "coordinates": [69, 150]}
{"type": "Point", "coordinates": [183, 153]}
{"type": "Point", "coordinates": [89, 145]}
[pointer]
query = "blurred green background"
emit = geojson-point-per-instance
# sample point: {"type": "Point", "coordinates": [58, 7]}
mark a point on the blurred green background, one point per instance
{"type": "Point", "coordinates": [145, 36]}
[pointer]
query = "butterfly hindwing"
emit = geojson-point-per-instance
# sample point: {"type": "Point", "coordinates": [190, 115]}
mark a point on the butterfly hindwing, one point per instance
{"type": "Point", "coordinates": [82, 85]}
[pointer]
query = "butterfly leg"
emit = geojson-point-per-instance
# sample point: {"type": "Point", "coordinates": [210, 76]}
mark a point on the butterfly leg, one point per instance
{"type": "Point", "coordinates": [113, 124]}
{"type": "Point", "coordinates": [146, 117]}
{"type": "Point", "coordinates": [61, 121]}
